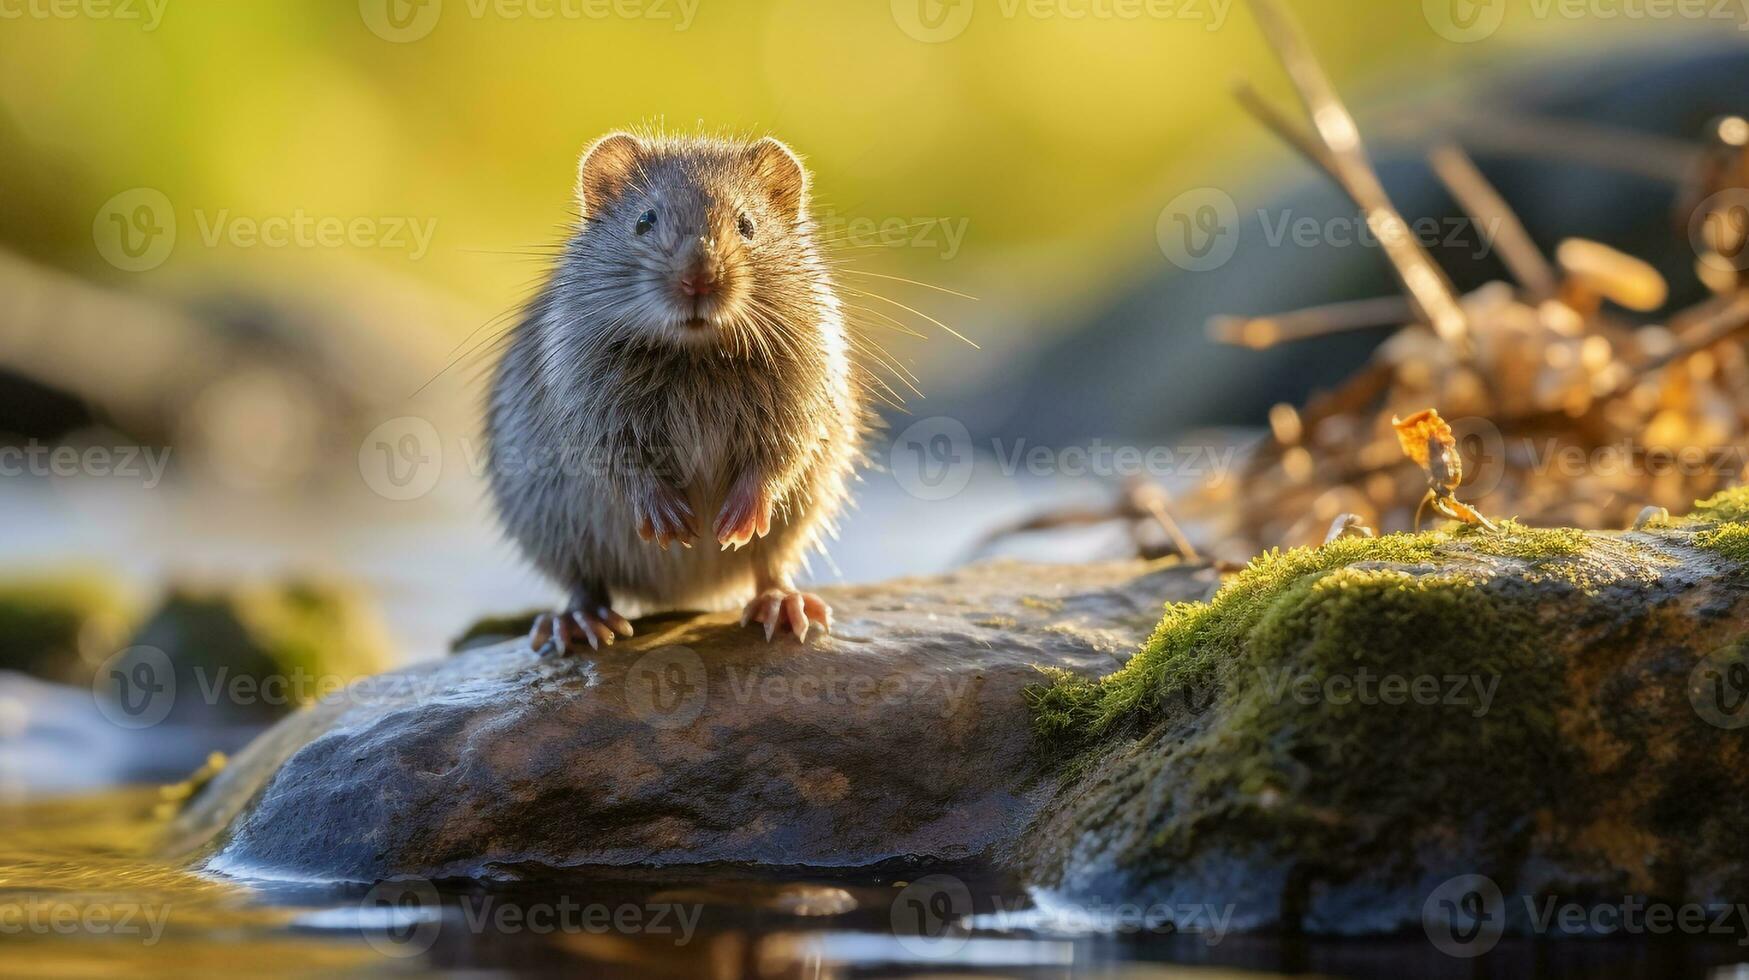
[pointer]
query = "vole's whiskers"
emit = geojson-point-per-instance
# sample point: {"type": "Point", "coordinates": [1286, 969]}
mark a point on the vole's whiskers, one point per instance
{"type": "Point", "coordinates": [875, 353]}
{"type": "Point", "coordinates": [887, 320]}
{"type": "Point", "coordinates": [912, 282]}
{"type": "Point", "coordinates": [914, 312]}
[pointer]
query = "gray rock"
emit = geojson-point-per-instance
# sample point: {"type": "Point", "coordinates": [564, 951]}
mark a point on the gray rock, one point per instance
{"type": "Point", "coordinates": [902, 736]}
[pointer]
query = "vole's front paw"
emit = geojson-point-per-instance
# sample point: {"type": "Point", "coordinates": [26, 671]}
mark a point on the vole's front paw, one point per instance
{"type": "Point", "coordinates": [790, 609]}
{"type": "Point", "coordinates": [665, 516]}
{"type": "Point", "coordinates": [745, 515]}
{"type": "Point", "coordinates": [597, 628]}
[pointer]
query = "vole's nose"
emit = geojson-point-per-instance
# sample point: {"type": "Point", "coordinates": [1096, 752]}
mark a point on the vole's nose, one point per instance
{"type": "Point", "coordinates": [699, 282]}
{"type": "Point", "coordinates": [700, 279]}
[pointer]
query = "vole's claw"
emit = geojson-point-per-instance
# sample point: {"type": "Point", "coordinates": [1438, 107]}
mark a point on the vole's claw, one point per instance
{"type": "Point", "coordinates": [619, 624]}
{"type": "Point", "coordinates": [665, 517]}
{"type": "Point", "coordinates": [788, 609]}
{"type": "Point", "coordinates": [542, 631]}
{"type": "Point", "coordinates": [594, 630]}
{"type": "Point", "coordinates": [564, 630]}
{"type": "Point", "coordinates": [798, 620]}
{"type": "Point", "coordinates": [746, 515]}
{"type": "Point", "coordinates": [549, 627]}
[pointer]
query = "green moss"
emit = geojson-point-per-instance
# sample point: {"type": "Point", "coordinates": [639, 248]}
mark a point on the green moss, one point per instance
{"type": "Point", "coordinates": [1529, 543]}
{"type": "Point", "coordinates": [1345, 671]}
{"type": "Point", "coordinates": [293, 643]}
{"type": "Point", "coordinates": [1726, 505]}
{"type": "Point", "coordinates": [1728, 540]}
{"type": "Point", "coordinates": [494, 629]}
{"type": "Point", "coordinates": [1199, 645]}
{"type": "Point", "coordinates": [1722, 524]}
{"type": "Point", "coordinates": [315, 627]}
{"type": "Point", "coordinates": [59, 626]}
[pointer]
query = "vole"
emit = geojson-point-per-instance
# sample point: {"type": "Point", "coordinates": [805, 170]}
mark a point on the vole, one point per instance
{"type": "Point", "coordinates": [677, 415]}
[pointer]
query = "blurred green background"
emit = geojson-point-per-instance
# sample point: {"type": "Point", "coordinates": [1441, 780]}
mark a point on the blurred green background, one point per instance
{"type": "Point", "coordinates": [1054, 138]}
{"type": "Point", "coordinates": [274, 239]}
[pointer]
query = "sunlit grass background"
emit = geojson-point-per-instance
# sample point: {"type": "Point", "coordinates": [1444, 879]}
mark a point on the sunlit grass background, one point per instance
{"type": "Point", "coordinates": [1056, 139]}
{"type": "Point", "coordinates": [1049, 133]}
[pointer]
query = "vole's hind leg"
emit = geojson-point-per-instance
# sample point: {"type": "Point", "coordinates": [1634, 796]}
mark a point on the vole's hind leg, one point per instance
{"type": "Point", "coordinates": [589, 619]}
{"type": "Point", "coordinates": [780, 605]}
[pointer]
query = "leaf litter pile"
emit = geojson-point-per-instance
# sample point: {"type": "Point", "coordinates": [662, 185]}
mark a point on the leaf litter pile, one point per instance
{"type": "Point", "coordinates": [1564, 409]}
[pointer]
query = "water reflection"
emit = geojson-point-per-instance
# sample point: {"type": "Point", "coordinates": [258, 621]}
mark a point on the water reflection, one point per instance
{"type": "Point", "coordinates": [82, 894]}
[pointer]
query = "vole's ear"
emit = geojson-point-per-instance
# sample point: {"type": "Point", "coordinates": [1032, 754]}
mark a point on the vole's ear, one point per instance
{"type": "Point", "coordinates": [606, 169]}
{"type": "Point", "coordinates": [780, 172]}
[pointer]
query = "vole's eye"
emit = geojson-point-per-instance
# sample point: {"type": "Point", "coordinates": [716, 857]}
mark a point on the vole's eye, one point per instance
{"type": "Point", "coordinates": [746, 225]}
{"type": "Point", "coordinates": [646, 222]}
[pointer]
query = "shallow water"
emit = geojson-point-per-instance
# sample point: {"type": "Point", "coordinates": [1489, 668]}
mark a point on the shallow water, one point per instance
{"type": "Point", "coordinates": [81, 894]}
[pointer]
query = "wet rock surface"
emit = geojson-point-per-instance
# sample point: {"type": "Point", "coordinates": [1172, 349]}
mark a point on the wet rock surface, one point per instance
{"type": "Point", "coordinates": [904, 736]}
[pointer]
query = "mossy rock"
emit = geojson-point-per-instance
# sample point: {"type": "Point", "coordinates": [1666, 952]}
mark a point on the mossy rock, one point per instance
{"type": "Point", "coordinates": [60, 626]}
{"type": "Point", "coordinates": [253, 654]}
{"type": "Point", "coordinates": [1341, 730]}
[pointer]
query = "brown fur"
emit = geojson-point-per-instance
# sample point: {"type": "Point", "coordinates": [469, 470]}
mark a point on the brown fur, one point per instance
{"type": "Point", "coordinates": [611, 388]}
